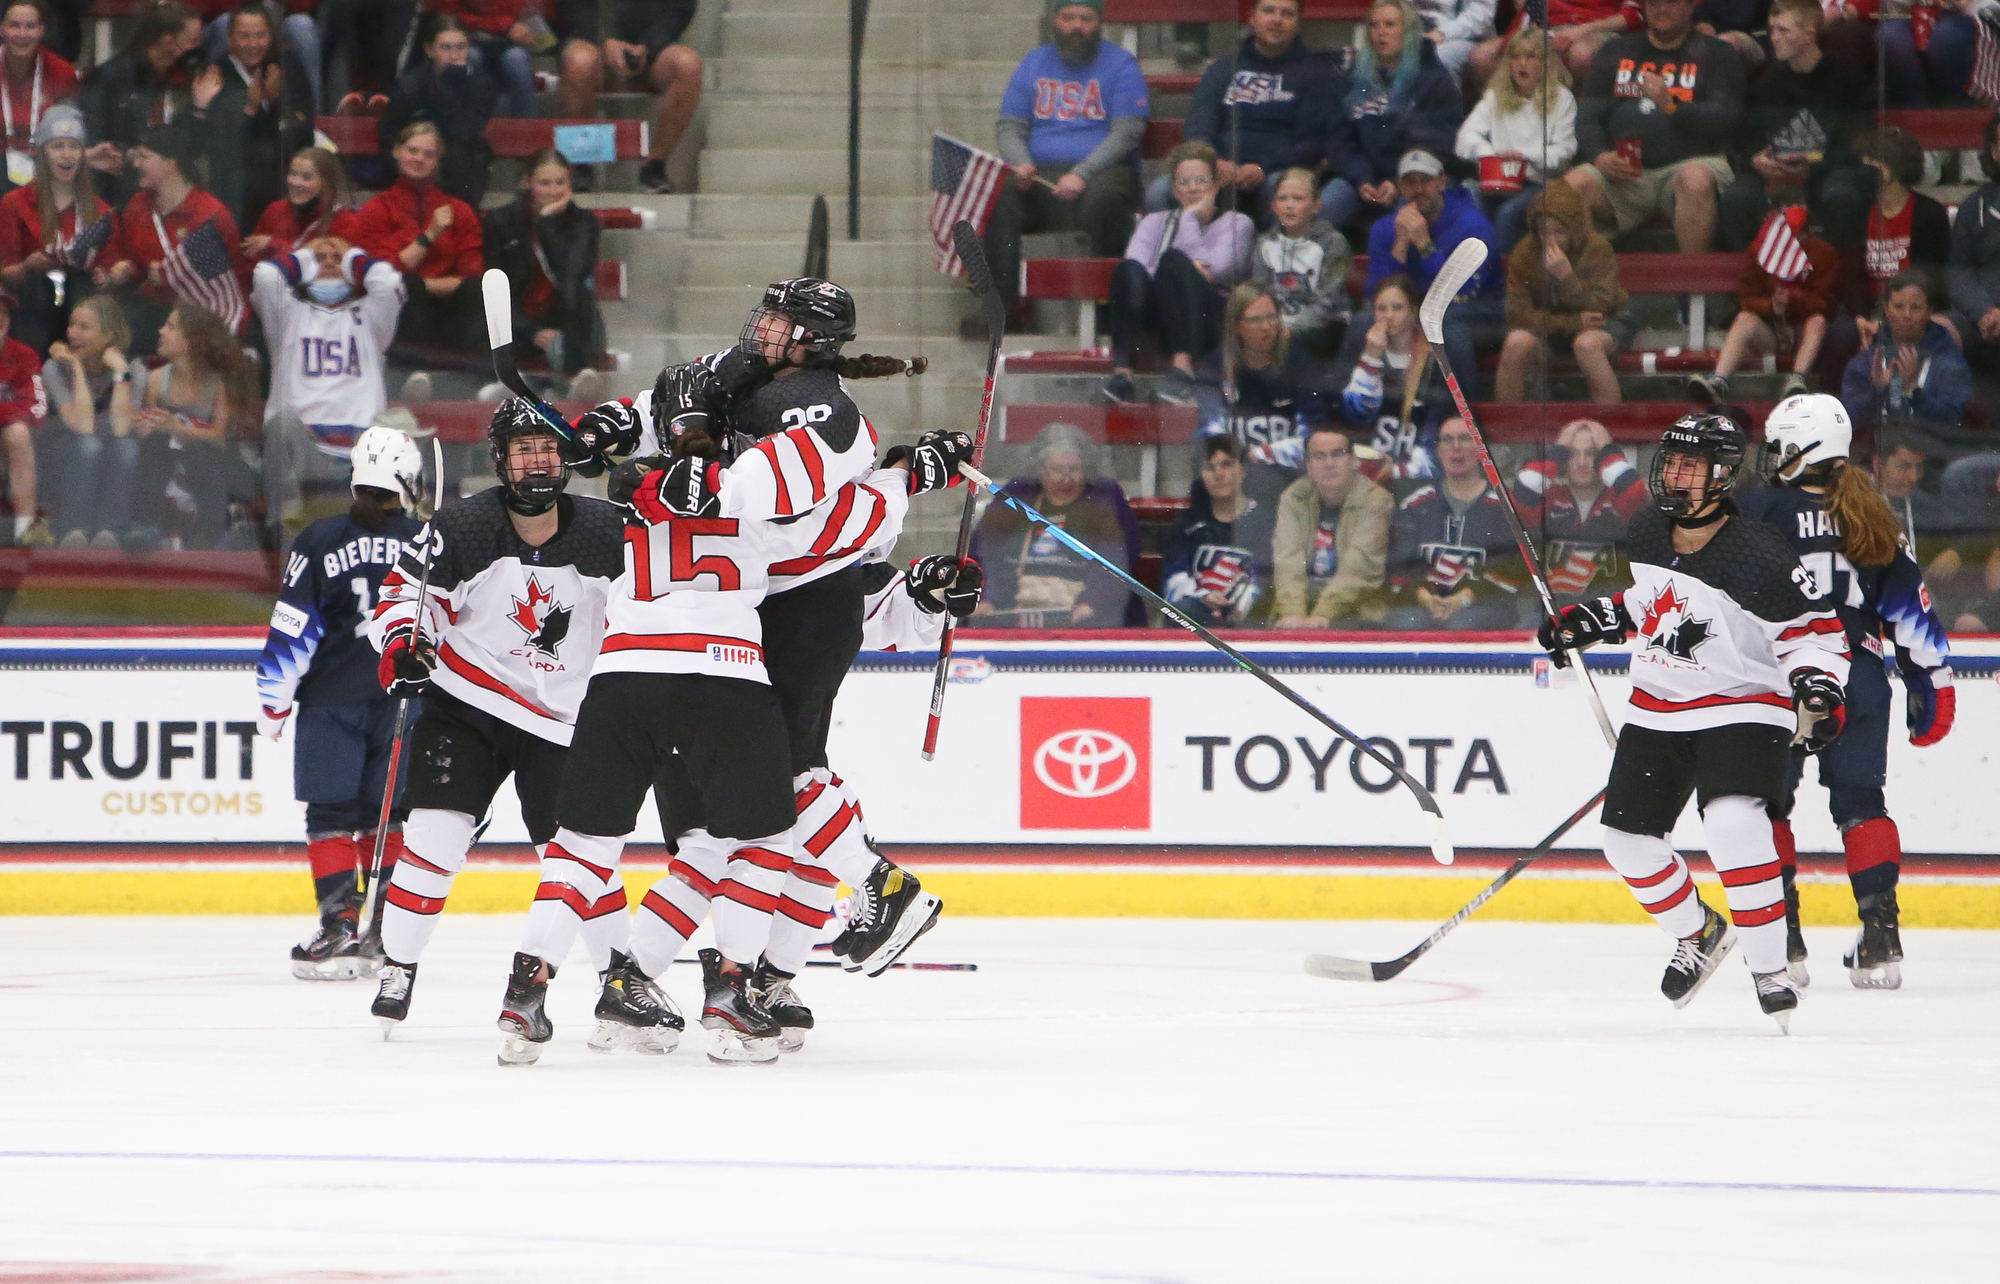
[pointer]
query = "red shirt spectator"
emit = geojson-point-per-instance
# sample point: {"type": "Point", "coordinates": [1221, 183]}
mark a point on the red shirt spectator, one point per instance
{"type": "Point", "coordinates": [22, 233]}
{"type": "Point", "coordinates": [142, 237]}
{"type": "Point", "coordinates": [289, 232]}
{"type": "Point", "coordinates": [493, 17]}
{"type": "Point", "coordinates": [22, 397]}
{"type": "Point", "coordinates": [390, 222]}
{"type": "Point", "coordinates": [32, 79]}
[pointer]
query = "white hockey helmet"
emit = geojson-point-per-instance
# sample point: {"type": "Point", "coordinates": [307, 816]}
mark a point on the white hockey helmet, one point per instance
{"type": "Point", "coordinates": [1812, 428]}
{"type": "Point", "coordinates": [387, 460]}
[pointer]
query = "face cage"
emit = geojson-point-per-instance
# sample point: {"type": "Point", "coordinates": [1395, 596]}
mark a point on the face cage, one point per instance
{"type": "Point", "coordinates": [1717, 488]}
{"type": "Point", "coordinates": [537, 492]}
{"type": "Point", "coordinates": [754, 343]}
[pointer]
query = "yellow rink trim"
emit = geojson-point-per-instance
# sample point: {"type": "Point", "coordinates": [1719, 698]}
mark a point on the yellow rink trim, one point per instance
{"type": "Point", "coordinates": [1013, 894]}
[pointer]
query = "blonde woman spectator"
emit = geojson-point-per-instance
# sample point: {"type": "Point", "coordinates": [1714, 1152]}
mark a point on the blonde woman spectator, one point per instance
{"type": "Point", "coordinates": [1304, 262]}
{"type": "Point", "coordinates": [1331, 541]}
{"type": "Point", "coordinates": [89, 382]}
{"type": "Point", "coordinates": [1528, 114]}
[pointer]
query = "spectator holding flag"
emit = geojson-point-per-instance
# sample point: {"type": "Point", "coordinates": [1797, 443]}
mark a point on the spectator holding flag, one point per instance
{"type": "Point", "coordinates": [182, 241]}
{"type": "Point", "coordinates": [1789, 289]}
{"type": "Point", "coordinates": [58, 237]}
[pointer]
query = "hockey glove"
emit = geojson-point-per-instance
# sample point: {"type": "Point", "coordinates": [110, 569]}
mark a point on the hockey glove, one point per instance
{"type": "Point", "coordinates": [1930, 703]}
{"type": "Point", "coordinates": [611, 429]}
{"type": "Point", "coordinates": [934, 462]}
{"type": "Point", "coordinates": [405, 667]}
{"type": "Point", "coordinates": [624, 481]}
{"type": "Point", "coordinates": [1582, 625]}
{"type": "Point", "coordinates": [943, 583]}
{"type": "Point", "coordinates": [1822, 706]}
{"type": "Point", "coordinates": [685, 488]}
{"type": "Point", "coordinates": [271, 722]}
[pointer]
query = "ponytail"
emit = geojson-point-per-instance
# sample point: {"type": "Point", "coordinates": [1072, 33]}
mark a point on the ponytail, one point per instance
{"type": "Point", "coordinates": [1863, 517]}
{"type": "Point", "coordinates": [872, 367]}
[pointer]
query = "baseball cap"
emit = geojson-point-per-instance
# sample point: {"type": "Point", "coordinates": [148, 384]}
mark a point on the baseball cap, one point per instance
{"type": "Point", "coordinates": [1419, 161]}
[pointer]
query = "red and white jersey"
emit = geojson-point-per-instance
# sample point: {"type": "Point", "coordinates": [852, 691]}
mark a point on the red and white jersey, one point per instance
{"type": "Point", "coordinates": [891, 620]}
{"type": "Point", "coordinates": [517, 626]}
{"type": "Point", "coordinates": [1721, 631]}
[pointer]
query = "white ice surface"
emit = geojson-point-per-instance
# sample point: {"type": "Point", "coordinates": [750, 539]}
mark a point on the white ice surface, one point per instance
{"type": "Point", "coordinates": [1117, 1100]}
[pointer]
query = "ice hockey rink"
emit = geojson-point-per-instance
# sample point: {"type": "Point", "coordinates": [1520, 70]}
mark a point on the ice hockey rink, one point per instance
{"type": "Point", "coordinates": [1103, 1100]}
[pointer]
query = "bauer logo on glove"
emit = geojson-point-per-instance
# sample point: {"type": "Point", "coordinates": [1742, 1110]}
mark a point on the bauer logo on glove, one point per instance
{"type": "Point", "coordinates": [1583, 625]}
{"type": "Point", "coordinates": [934, 462]}
{"type": "Point", "coordinates": [405, 667]}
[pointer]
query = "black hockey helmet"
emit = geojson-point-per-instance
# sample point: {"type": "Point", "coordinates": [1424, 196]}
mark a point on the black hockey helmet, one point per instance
{"type": "Point", "coordinates": [536, 493]}
{"type": "Point", "coordinates": [807, 310]}
{"type": "Point", "coordinates": [1713, 437]}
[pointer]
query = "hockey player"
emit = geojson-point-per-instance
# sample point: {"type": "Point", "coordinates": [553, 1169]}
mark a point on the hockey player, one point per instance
{"type": "Point", "coordinates": [1845, 534]}
{"type": "Point", "coordinates": [503, 653]}
{"type": "Point", "coordinates": [1730, 633]}
{"type": "Point", "coordinates": [318, 658]}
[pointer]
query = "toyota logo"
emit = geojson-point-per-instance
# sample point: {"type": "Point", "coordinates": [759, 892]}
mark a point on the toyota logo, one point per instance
{"type": "Point", "coordinates": [1085, 764]}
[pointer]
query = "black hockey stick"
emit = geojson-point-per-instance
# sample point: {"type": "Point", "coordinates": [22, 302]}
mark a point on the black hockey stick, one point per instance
{"type": "Point", "coordinates": [1440, 839]}
{"type": "Point", "coordinates": [994, 312]}
{"type": "Point", "coordinates": [816, 240]}
{"type": "Point", "coordinates": [1335, 968]}
{"type": "Point", "coordinates": [494, 292]}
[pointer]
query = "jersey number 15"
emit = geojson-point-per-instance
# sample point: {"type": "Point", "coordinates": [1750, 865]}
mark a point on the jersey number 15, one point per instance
{"type": "Point", "coordinates": [683, 567]}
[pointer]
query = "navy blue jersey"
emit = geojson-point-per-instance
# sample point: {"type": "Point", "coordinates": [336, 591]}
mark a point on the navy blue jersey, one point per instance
{"type": "Point", "coordinates": [318, 651]}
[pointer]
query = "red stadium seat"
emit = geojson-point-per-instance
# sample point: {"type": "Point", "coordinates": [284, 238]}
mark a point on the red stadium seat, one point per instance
{"type": "Point", "coordinates": [1945, 129]}
{"type": "Point", "coordinates": [1634, 422]}
{"type": "Point", "coordinates": [1162, 136]}
{"type": "Point", "coordinates": [611, 281]}
{"type": "Point", "coordinates": [519, 139]}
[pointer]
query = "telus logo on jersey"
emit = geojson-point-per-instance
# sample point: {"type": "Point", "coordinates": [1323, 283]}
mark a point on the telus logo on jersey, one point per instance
{"type": "Point", "coordinates": [1086, 763]}
{"type": "Point", "coordinates": [1669, 630]}
{"type": "Point", "coordinates": [546, 622]}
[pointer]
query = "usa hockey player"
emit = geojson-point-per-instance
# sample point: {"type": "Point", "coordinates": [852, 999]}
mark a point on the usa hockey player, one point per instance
{"type": "Point", "coordinates": [317, 657]}
{"type": "Point", "coordinates": [519, 578]}
{"type": "Point", "coordinates": [1844, 533]}
{"type": "Point", "coordinates": [1730, 633]}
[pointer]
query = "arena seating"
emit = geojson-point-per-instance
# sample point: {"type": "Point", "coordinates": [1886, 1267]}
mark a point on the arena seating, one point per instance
{"type": "Point", "coordinates": [513, 138]}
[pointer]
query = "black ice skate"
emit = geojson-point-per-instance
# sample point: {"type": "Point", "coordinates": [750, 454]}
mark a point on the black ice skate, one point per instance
{"type": "Point", "coordinates": [1778, 997]}
{"type": "Point", "coordinates": [1696, 957]}
{"type": "Point", "coordinates": [1876, 961]}
{"type": "Point", "coordinates": [890, 911]}
{"type": "Point", "coordinates": [1795, 940]}
{"type": "Point", "coordinates": [745, 1034]}
{"type": "Point", "coordinates": [782, 1002]}
{"type": "Point", "coordinates": [365, 951]}
{"type": "Point", "coordinates": [633, 1014]}
{"type": "Point", "coordinates": [521, 1017]}
{"type": "Point", "coordinates": [392, 997]}
{"type": "Point", "coordinates": [328, 955]}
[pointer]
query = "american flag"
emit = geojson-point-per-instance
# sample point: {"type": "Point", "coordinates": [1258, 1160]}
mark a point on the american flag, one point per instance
{"type": "Point", "coordinates": [1984, 84]}
{"type": "Point", "coordinates": [77, 251]}
{"type": "Point", "coordinates": [199, 270]}
{"type": "Point", "coordinates": [965, 183]}
{"type": "Point", "coordinates": [1779, 251]}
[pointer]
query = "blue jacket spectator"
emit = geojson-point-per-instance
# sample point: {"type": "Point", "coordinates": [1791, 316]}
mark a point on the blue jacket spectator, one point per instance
{"type": "Point", "coordinates": [1973, 265]}
{"type": "Point", "coordinates": [1913, 371]}
{"type": "Point", "coordinates": [1400, 97]}
{"type": "Point", "coordinates": [1416, 240]}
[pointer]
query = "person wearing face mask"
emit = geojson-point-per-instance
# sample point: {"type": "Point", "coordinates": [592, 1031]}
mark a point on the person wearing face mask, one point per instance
{"type": "Point", "coordinates": [59, 240]}
{"type": "Point", "coordinates": [315, 204]}
{"type": "Point", "coordinates": [32, 80]}
{"type": "Point", "coordinates": [456, 99]}
{"type": "Point", "coordinates": [147, 84]}
{"type": "Point", "coordinates": [547, 245]}
{"type": "Point", "coordinates": [254, 108]}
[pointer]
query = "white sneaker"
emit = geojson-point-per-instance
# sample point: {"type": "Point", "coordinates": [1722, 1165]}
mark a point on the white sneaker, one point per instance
{"type": "Point", "coordinates": [417, 387]}
{"type": "Point", "coordinates": [492, 392]}
{"type": "Point", "coordinates": [589, 385]}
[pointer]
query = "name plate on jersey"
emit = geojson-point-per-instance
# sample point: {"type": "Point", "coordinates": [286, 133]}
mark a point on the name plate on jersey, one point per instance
{"type": "Point", "coordinates": [587, 144]}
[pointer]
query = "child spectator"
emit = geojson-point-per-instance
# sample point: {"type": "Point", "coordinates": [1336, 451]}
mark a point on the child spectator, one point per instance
{"type": "Point", "coordinates": [191, 411]}
{"type": "Point", "coordinates": [1446, 538]}
{"type": "Point", "coordinates": [1401, 97]}
{"type": "Point", "coordinates": [1396, 397]}
{"type": "Point", "coordinates": [1582, 496]}
{"type": "Point", "coordinates": [315, 204]}
{"type": "Point", "coordinates": [167, 209]}
{"type": "Point", "coordinates": [501, 37]}
{"type": "Point", "coordinates": [1304, 262]}
{"type": "Point", "coordinates": [1217, 564]}
{"type": "Point", "coordinates": [434, 239]}
{"type": "Point", "coordinates": [1417, 240]}
{"type": "Point", "coordinates": [1562, 292]}
{"type": "Point", "coordinates": [254, 109]}
{"type": "Point", "coordinates": [1912, 370]}
{"type": "Point", "coordinates": [646, 52]}
{"type": "Point", "coordinates": [1577, 29]}
{"type": "Point", "coordinates": [456, 99]}
{"type": "Point", "coordinates": [1032, 581]}
{"type": "Point", "coordinates": [145, 85]}
{"type": "Point", "coordinates": [95, 461]}
{"type": "Point", "coordinates": [1257, 393]}
{"type": "Point", "coordinates": [547, 245]}
{"type": "Point", "coordinates": [32, 80]}
{"type": "Point", "coordinates": [1456, 27]}
{"type": "Point", "coordinates": [1330, 539]}
{"type": "Point", "coordinates": [58, 238]}
{"type": "Point", "coordinates": [1527, 114]}
{"type": "Point", "coordinates": [23, 404]}
{"type": "Point", "coordinates": [1777, 315]}
{"type": "Point", "coordinates": [1170, 284]}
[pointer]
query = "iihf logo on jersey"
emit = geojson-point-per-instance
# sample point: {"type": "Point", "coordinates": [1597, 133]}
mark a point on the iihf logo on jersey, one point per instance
{"type": "Point", "coordinates": [545, 623]}
{"type": "Point", "coordinates": [1664, 633]}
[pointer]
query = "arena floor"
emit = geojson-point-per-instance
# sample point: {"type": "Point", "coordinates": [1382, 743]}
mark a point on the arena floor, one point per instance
{"type": "Point", "coordinates": [1142, 1100]}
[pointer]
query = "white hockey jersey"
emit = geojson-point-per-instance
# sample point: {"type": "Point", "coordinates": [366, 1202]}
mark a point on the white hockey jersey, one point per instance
{"type": "Point", "coordinates": [517, 626]}
{"type": "Point", "coordinates": [326, 363]}
{"type": "Point", "coordinates": [1721, 631]}
{"type": "Point", "coordinates": [891, 620]}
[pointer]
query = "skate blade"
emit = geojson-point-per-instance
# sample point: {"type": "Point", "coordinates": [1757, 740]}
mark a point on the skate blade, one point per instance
{"type": "Point", "coordinates": [791, 1039]}
{"type": "Point", "coordinates": [333, 969]}
{"type": "Point", "coordinates": [1883, 976]}
{"type": "Point", "coordinates": [921, 917]}
{"type": "Point", "coordinates": [1784, 1020]}
{"type": "Point", "coordinates": [389, 1025]}
{"type": "Point", "coordinates": [518, 1049]}
{"type": "Point", "coordinates": [1728, 944]}
{"type": "Point", "coordinates": [616, 1036]}
{"type": "Point", "coordinates": [731, 1048]}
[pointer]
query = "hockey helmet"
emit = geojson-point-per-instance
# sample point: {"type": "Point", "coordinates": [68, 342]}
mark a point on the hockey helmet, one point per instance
{"type": "Point", "coordinates": [1803, 431]}
{"type": "Point", "coordinates": [387, 460]}
{"type": "Point", "coordinates": [1713, 437]}
{"type": "Point", "coordinates": [535, 493]}
{"type": "Point", "coordinates": [805, 310]}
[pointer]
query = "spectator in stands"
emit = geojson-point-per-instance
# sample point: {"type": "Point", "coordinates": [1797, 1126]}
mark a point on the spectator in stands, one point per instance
{"type": "Point", "coordinates": [1304, 262]}
{"type": "Point", "coordinates": [501, 37]}
{"type": "Point", "coordinates": [1456, 27]}
{"type": "Point", "coordinates": [146, 84]}
{"type": "Point", "coordinates": [1032, 581]}
{"type": "Point", "coordinates": [1577, 28]}
{"type": "Point", "coordinates": [1259, 392]}
{"type": "Point", "coordinates": [1900, 459]}
{"type": "Point", "coordinates": [1778, 316]}
{"type": "Point", "coordinates": [58, 238]}
{"type": "Point", "coordinates": [1264, 109]}
{"type": "Point", "coordinates": [363, 42]}
{"type": "Point", "coordinates": [456, 99]}
{"type": "Point", "coordinates": [1938, 74]}
{"type": "Point", "coordinates": [1582, 496]}
{"type": "Point", "coordinates": [434, 239]}
{"type": "Point", "coordinates": [167, 209]}
{"type": "Point", "coordinates": [1435, 215]}
{"type": "Point", "coordinates": [95, 461]}
{"type": "Point", "coordinates": [32, 80]}
{"type": "Point", "coordinates": [1395, 398]}
{"type": "Point", "coordinates": [1330, 541]}
{"type": "Point", "coordinates": [23, 404]}
{"type": "Point", "coordinates": [1906, 230]}
{"type": "Point", "coordinates": [1400, 98]}
{"type": "Point", "coordinates": [1170, 285]}
{"type": "Point", "coordinates": [1446, 539]}
{"type": "Point", "coordinates": [1973, 267]}
{"type": "Point", "coordinates": [254, 109]}
{"type": "Point", "coordinates": [1733, 21]}
{"type": "Point", "coordinates": [1654, 148]}
{"type": "Point", "coordinates": [1527, 115]}
{"type": "Point", "coordinates": [316, 203]}
{"type": "Point", "coordinates": [1217, 563]}
{"type": "Point", "coordinates": [547, 245]}
{"type": "Point", "coordinates": [647, 50]}
{"type": "Point", "coordinates": [1562, 292]}
{"type": "Point", "coordinates": [192, 410]}
{"type": "Point", "coordinates": [1912, 371]}
{"type": "Point", "coordinates": [1070, 125]}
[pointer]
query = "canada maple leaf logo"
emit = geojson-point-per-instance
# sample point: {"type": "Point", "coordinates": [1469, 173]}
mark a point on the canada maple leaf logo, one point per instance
{"type": "Point", "coordinates": [528, 614]}
{"type": "Point", "coordinates": [1666, 602]}
{"type": "Point", "coordinates": [1682, 638]}
{"type": "Point", "coordinates": [545, 623]}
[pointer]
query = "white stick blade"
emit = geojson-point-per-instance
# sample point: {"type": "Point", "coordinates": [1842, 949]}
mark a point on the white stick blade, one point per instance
{"type": "Point", "coordinates": [1451, 278]}
{"type": "Point", "coordinates": [1334, 968]}
{"type": "Point", "coordinates": [1441, 849]}
{"type": "Point", "coordinates": [499, 308]}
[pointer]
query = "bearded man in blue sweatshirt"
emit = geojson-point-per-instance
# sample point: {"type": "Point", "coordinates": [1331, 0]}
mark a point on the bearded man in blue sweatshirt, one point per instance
{"type": "Point", "coordinates": [1416, 238]}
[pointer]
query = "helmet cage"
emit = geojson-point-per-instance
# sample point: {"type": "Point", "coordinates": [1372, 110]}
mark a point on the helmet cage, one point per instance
{"type": "Point", "coordinates": [1708, 437]}
{"type": "Point", "coordinates": [816, 314]}
{"type": "Point", "coordinates": [536, 493]}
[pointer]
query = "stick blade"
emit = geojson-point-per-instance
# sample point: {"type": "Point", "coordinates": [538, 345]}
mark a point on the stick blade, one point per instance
{"type": "Point", "coordinates": [1441, 849]}
{"type": "Point", "coordinates": [499, 301]}
{"type": "Point", "coordinates": [1332, 967]}
{"type": "Point", "coordinates": [979, 273]}
{"type": "Point", "coordinates": [1451, 278]}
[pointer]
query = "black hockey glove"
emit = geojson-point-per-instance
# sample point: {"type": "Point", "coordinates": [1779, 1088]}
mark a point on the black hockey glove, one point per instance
{"type": "Point", "coordinates": [943, 583]}
{"type": "Point", "coordinates": [934, 462]}
{"type": "Point", "coordinates": [405, 667]}
{"type": "Point", "coordinates": [625, 479]}
{"type": "Point", "coordinates": [610, 430]}
{"type": "Point", "coordinates": [1822, 706]}
{"type": "Point", "coordinates": [685, 488]}
{"type": "Point", "coordinates": [1585, 624]}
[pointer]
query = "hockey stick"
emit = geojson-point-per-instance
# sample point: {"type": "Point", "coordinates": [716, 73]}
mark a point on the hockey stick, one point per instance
{"type": "Point", "coordinates": [494, 291]}
{"type": "Point", "coordinates": [1451, 278]}
{"type": "Point", "coordinates": [1335, 968]}
{"type": "Point", "coordinates": [1440, 838]}
{"type": "Point", "coordinates": [993, 311]}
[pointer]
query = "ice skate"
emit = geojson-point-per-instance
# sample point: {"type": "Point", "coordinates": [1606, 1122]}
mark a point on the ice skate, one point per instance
{"type": "Point", "coordinates": [1795, 940]}
{"type": "Point", "coordinates": [633, 1014]}
{"type": "Point", "coordinates": [1696, 957]}
{"type": "Point", "coordinates": [1777, 996]}
{"type": "Point", "coordinates": [328, 955]}
{"type": "Point", "coordinates": [891, 910]}
{"type": "Point", "coordinates": [1876, 961]}
{"type": "Point", "coordinates": [521, 1018]}
{"type": "Point", "coordinates": [782, 1002]}
{"type": "Point", "coordinates": [745, 1034]}
{"type": "Point", "coordinates": [392, 998]}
